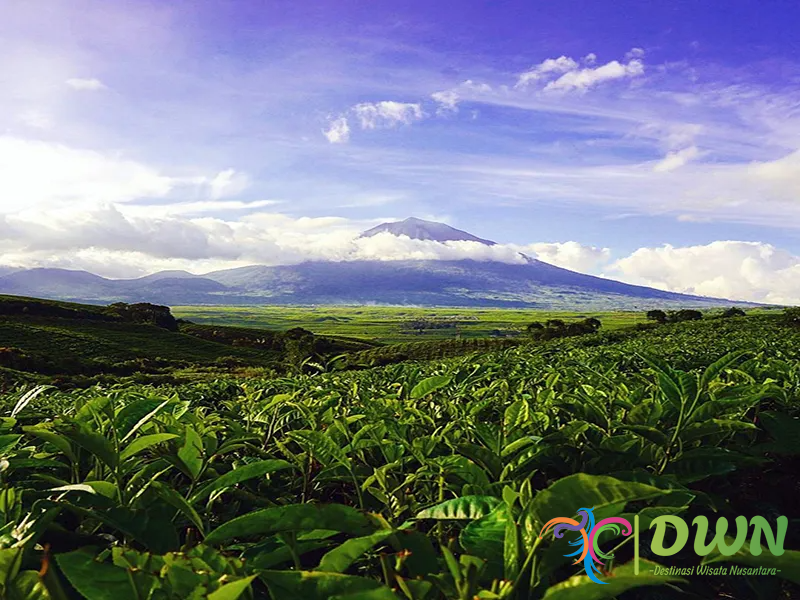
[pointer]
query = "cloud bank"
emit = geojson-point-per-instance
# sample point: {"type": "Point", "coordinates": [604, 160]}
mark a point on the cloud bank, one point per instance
{"type": "Point", "coordinates": [130, 240]}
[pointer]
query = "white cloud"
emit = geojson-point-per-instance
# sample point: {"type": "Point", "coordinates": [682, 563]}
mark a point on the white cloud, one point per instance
{"type": "Point", "coordinates": [385, 246]}
{"type": "Point", "coordinates": [194, 208]}
{"type": "Point", "coordinates": [752, 271]}
{"type": "Point", "coordinates": [36, 119]}
{"type": "Point", "coordinates": [677, 159]}
{"type": "Point", "coordinates": [117, 241]}
{"type": "Point", "coordinates": [338, 132]}
{"type": "Point", "coordinates": [570, 255]}
{"type": "Point", "coordinates": [448, 101]}
{"type": "Point", "coordinates": [387, 113]}
{"type": "Point", "coordinates": [228, 183]}
{"type": "Point", "coordinates": [565, 73]}
{"type": "Point", "coordinates": [34, 173]}
{"type": "Point", "coordinates": [562, 64]}
{"type": "Point", "coordinates": [583, 79]}
{"type": "Point", "coordinates": [86, 85]}
{"type": "Point", "coordinates": [375, 115]}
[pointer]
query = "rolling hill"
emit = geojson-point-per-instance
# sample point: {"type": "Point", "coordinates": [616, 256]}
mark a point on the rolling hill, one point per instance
{"type": "Point", "coordinates": [68, 341]}
{"type": "Point", "coordinates": [529, 283]}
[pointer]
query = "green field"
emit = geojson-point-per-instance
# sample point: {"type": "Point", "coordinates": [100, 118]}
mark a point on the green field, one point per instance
{"type": "Point", "coordinates": [80, 344]}
{"type": "Point", "coordinates": [424, 480]}
{"type": "Point", "coordinates": [385, 323]}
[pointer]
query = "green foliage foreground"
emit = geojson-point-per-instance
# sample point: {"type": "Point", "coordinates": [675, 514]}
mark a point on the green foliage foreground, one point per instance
{"type": "Point", "coordinates": [412, 481]}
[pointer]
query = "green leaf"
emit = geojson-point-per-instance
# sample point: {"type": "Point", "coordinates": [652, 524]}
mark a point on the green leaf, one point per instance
{"type": "Point", "coordinates": [232, 590]}
{"type": "Point", "coordinates": [10, 562]}
{"type": "Point", "coordinates": [174, 499]}
{"type": "Point", "coordinates": [104, 488]}
{"type": "Point", "coordinates": [714, 427]}
{"type": "Point", "coordinates": [314, 585]}
{"type": "Point", "coordinates": [621, 579]}
{"type": "Point", "coordinates": [423, 558]}
{"type": "Point", "coordinates": [485, 537]}
{"type": "Point", "coordinates": [58, 441]}
{"type": "Point", "coordinates": [27, 586]}
{"type": "Point", "coordinates": [191, 453]}
{"type": "Point", "coordinates": [517, 445]}
{"type": "Point", "coordinates": [713, 370]}
{"type": "Point", "coordinates": [294, 517]}
{"type": "Point", "coordinates": [429, 385]}
{"type": "Point", "coordinates": [651, 434]}
{"type": "Point", "coordinates": [8, 441]}
{"type": "Point", "coordinates": [646, 412]}
{"type": "Point", "coordinates": [75, 487]}
{"type": "Point", "coordinates": [339, 559]}
{"type": "Point", "coordinates": [567, 495]}
{"type": "Point", "coordinates": [483, 457]}
{"type": "Point", "coordinates": [95, 580]}
{"type": "Point", "coordinates": [700, 463]}
{"type": "Point", "coordinates": [465, 508]}
{"type": "Point", "coordinates": [27, 398]}
{"type": "Point", "coordinates": [668, 379]}
{"type": "Point", "coordinates": [240, 474]}
{"type": "Point", "coordinates": [688, 386]}
{"type": "Point", "coordinates": [516, 414]}
{"type": "Point", "coordinates": [142, 443]}
{"type": "Point", "coordinates": [95, 443]}
{"type": "Point", "coordinates": [321, 446]}
{"type": "Point", "coordinates": [135, 415]}
{"type": "Point", "coordinates": [670, 389]}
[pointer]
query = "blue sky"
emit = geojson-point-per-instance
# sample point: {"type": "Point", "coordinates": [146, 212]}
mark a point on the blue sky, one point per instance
{"type": "Point", "coordinates": [652, 136]}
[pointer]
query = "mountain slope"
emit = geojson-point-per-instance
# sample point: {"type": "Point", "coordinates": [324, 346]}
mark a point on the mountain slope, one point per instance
{"type": "Point", "coordinates": [445, 283]}
{"type": "Point", "coordinates": [423, 282]}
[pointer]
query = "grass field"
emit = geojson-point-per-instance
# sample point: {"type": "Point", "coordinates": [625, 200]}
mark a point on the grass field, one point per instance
{"type": "Point", "coordinates": [386, 323]}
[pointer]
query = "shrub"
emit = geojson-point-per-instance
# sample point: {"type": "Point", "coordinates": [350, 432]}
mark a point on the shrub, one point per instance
{"type": "Point", "coordinates": [658, 316]}
{"type": "Point", "coordinates": [685, 314]}
{"type": "Point", "coordinates": [791, 316]}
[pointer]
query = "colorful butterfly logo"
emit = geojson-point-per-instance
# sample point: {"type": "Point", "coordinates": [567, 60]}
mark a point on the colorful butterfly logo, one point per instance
{"type": "Point", "coordinates": [588, 551]}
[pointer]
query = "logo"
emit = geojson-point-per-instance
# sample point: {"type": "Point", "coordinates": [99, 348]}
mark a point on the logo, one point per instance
{"type": "Point", "coordinates": [589, 553]}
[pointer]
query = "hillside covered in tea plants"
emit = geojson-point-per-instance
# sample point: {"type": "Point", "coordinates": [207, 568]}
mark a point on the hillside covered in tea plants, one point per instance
{"type": "Point", "coordinates": [424, 479]}
{"type": "Point", "coordinates": [70, 344]}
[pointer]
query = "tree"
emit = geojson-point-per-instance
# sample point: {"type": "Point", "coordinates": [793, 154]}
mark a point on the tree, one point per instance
{"type": "Point", "coordinates": [733, 312]}
{"type": "Point", "coordinates": [686, 314]}
{"type": "Point", "coordinates": [555, 323]}
{"type": "Point", "coordinates": [657, 315]}
{"type": "Point", "coordinates": [593, 323]}
{"type": "Point", "coordinates": [534, 328]}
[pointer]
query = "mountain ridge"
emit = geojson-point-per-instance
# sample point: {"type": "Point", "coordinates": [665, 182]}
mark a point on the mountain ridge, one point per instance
{"type": "Point", "coordinates": [464, 282]}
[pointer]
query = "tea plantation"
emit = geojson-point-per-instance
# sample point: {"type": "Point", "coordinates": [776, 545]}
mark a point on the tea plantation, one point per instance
{"type": "Point", "coordinates": [422, 479]}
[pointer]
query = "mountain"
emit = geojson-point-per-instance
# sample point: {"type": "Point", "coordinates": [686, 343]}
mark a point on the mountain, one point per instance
{"type": "Point", "coordinates": [165, 287]}
{"type": "Point", "coordinates": [419, 229]}
{"type": "Point", "coordinates": [533, 283]}
{"type": "Point", "coordinates": [173, 274]}
{"type": "Point", "coordinates": [445, 283]}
